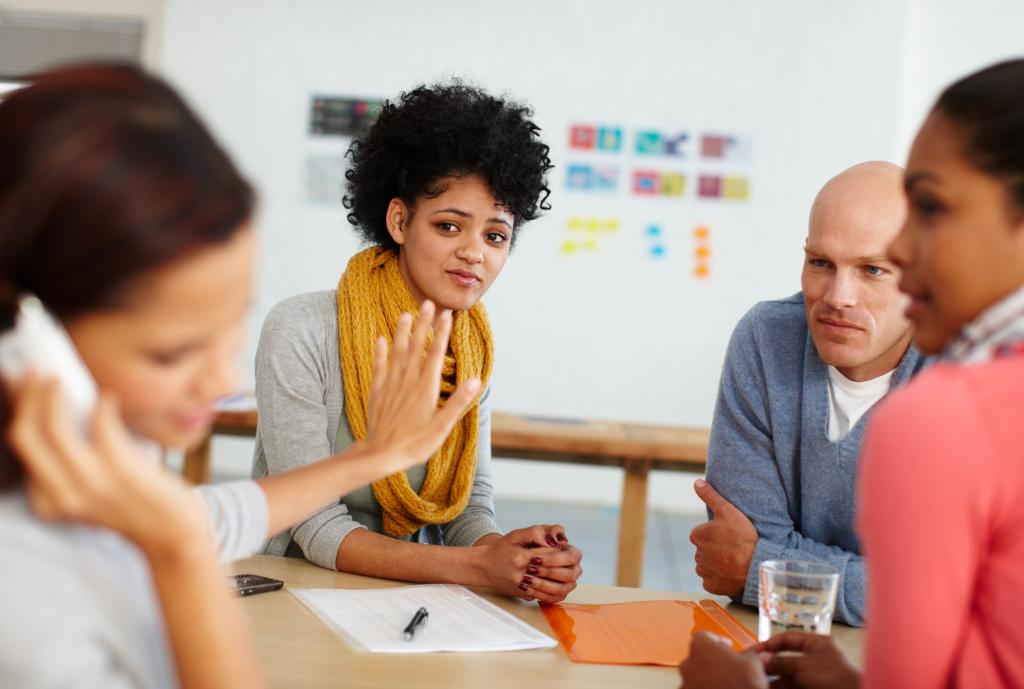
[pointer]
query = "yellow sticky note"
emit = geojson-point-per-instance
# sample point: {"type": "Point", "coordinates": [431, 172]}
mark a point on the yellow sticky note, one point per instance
{"type": "Point", "coordinates": [673, 184]}
{"type": "Point", "coordinates": [736, 188]}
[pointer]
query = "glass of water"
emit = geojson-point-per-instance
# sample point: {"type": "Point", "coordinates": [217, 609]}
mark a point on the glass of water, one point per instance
{"type": "Point", "coordinates": [796, 596]}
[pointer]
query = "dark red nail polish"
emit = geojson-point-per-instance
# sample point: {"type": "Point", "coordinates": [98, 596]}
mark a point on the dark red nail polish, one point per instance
{"type": "Point", "coordinates": [551, 541]}
{"type": "Point", "coordinates": [562, 537]}
{"type": "Point", "coordinates": [532, 569]}
{"type": "Point", "coordinates": [523, 587]}
{"type": "Point", "coordinates": [536, 561]}
{"type": "Point", "coordinates": [527, 580]}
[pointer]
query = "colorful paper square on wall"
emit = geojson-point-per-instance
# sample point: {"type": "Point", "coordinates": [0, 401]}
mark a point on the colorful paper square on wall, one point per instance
{"type": "Point", "coordinates": [709, 186]}
{"type": "Point", "coordinates": [736, 188]}
{"type": "Point", "coordinates": [579, 177]}
{"type": "Point", "coordinates": [609, 139]}
{"type": "Point", "coordinates": [645, 182]}
{"type": "Point", "coordinates": [675, 144]}
{"type": "Point", "coordinates": [673, 184]}
{"type": "Point", "coordinates": [712, 146]}
{"type": "Point", "coordinates": [726, 147]}
{"type": "Point", "coordinates": [648, 142]}
{"type": "Point", "coordinates": [583, 136]}
{"type": "Point", "coordinates": [605, 178]}
{"type": "Point", "coordinates": [341, 116]}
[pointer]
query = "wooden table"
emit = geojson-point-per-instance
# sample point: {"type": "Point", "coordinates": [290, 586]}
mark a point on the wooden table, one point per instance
{"type": "Point", "coordinates": [299, 652]}
{"type": "Point", "coordinates": [637, 448]}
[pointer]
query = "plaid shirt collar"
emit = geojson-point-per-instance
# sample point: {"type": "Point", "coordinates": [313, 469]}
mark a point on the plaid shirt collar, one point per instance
{"type": "Point", "coordinates": [998, 331]}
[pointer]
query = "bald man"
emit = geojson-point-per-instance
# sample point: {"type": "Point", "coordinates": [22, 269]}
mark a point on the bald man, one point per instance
{"type": "Point", "coordinates": [800, 377]}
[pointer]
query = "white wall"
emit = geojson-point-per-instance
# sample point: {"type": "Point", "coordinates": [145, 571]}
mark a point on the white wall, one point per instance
{"type": "Point", "coordinates": [948, 40]}
{"type": "Point", "coordinates": [819, 85]}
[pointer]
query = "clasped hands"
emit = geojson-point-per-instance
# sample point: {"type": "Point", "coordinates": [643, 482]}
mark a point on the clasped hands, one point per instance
{"type": "Point", "coordinates": [534, 563]}
{"type": "Point", "coordinates": [795, 660]}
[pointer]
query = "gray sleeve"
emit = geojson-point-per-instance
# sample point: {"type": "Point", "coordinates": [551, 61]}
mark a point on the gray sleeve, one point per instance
{"type": "Point", "coordinates": [238, 515]}
{"type": "Point", "coordinates": [477, 520]}
{"type": "Point", "coordinates": [743, 467]}
{"type": "Point", "coordinates": [291, 380]}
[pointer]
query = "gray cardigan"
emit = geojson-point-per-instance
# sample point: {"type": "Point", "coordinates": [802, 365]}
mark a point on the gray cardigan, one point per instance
{"type": "Point", "coordinates": [77, 603]}
{"type": "Point", "coordinates": [770, 454]}
{"type": "Point", "coordinates": [300, 399]}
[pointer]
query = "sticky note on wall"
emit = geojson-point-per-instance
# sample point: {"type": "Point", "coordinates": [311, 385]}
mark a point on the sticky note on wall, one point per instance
{"type": "Point", "coordinates": [709, 186]}
{"type": "Point", "coordinates": [609, 139]}
{"type": "Point", "coordinates": [582, 136]}
{"type": "Point", "coordinates": [648, 142]}
{"type": "Point", "coordinates": [584, 233]}
{"type": "Point", "coordinates": [672, 184]}
{"type": "Point", "coordinates": [736, 188]}
{"type": "Point", "coordinates": [701, 252]}
{"type": "Point", "coordinates": [579, 177]}
{"type": "Point", "coordinates": [645, 182]}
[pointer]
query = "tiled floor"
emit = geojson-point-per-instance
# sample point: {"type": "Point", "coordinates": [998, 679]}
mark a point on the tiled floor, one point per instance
{"type": "Point", "coordinates": [668, 564]}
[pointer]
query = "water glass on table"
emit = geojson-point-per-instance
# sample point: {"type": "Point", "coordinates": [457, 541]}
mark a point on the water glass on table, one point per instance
{"type": "Point", "coordinates": [795, 596]}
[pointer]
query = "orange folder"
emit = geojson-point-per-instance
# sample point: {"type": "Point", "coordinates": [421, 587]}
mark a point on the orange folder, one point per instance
{"type": "Point", "coordinates": [654, 632]}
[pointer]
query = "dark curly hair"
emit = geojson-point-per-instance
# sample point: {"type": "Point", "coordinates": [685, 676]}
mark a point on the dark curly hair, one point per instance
{"type": "Point", "coordinates": [434, 132]}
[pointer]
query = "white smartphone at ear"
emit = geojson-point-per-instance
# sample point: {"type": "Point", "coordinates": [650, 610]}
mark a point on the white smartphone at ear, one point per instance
{"type": "Point", "coordinates": [39, 342]}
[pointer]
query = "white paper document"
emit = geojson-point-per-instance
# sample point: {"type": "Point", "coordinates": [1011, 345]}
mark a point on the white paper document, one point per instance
{"type": "Point", "coordinates": [459, 620]}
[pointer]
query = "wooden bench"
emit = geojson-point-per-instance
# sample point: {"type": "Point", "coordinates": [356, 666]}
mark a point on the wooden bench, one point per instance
{"type": "Point", "coordinates": [636, 448]}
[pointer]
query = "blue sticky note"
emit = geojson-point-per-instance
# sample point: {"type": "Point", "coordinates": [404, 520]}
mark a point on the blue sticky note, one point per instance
{"type": "Point", "coordinates": [648, 142]}
{"type": "Point", "coordinates": [580, 177]}
{"type": "Point", "coordinates": [609, 139]}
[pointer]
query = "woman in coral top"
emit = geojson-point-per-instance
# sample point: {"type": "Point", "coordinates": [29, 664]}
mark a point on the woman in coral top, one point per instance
{"type": "Point", "coordinates": [941, 503]}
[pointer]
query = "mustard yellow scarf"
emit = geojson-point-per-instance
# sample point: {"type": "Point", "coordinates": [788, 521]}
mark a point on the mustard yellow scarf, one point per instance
{"type": "Point", "coordinates": [371, 297]}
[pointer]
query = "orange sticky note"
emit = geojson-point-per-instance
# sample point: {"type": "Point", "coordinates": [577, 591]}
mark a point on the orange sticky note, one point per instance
{"type": "Point", "coordinates": [655, 632]}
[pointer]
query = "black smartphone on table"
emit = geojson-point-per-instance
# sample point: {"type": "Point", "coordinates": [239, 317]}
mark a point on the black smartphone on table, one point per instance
{"type": "Point", "coordinates": [251, 584]}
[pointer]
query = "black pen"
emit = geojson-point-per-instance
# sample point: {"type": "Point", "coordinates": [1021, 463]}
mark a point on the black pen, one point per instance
{"type": "Point", "coordinates": [419, 618]}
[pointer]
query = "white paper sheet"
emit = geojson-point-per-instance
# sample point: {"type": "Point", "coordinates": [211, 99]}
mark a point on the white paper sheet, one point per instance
{"type": "Point", "coordinates": [459, 620]}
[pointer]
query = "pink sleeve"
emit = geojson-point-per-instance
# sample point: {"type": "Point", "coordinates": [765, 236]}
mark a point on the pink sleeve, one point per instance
{"type": "Point", "coordinates": [926, 486]}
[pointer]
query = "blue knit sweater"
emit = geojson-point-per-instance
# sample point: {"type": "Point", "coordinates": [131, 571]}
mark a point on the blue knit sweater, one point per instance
{"type": "Point", "coordinates": [770, 454]}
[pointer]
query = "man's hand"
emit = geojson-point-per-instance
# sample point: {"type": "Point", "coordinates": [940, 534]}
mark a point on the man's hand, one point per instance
{"type": "Point", "coordinates": [713, 664]}
{"type": "Point", "coordinates": [725, 545]}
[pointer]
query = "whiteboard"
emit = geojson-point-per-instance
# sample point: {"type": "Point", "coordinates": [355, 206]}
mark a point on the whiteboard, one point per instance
{"type": "Point", "coordinates": [812, 86]}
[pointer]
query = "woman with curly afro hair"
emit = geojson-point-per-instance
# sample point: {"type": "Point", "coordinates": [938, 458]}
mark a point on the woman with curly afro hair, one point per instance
{"type": "Point", "coordinates": [438, 188]}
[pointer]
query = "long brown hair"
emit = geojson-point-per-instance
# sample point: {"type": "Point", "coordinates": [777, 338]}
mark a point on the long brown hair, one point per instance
{"type": "Point", "coordinates": [105, 175]}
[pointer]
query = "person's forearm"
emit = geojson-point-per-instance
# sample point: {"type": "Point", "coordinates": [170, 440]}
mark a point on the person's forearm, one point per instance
{"type": "Point", "coordinates": [487, 539]}
{"type": "Point", "coordinates": [372, 554]}
{"type": "Point", "coordinates": [294, 495]}
{"type": "Point", "coordinates": [210, 644]}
